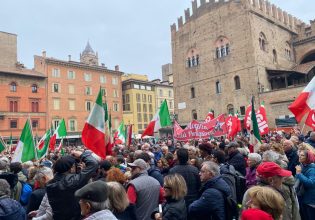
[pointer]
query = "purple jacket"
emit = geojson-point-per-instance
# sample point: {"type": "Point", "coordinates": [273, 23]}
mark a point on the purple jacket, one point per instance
{"type": "Point", "coordinates": [251, 177]}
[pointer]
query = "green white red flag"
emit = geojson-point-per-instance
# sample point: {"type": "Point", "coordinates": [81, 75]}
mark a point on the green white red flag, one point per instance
{"type": "Point", "coordinates": [43, 145]}
{"type": "Point", "coordinates": [255, 136]}
{"type": "Point", "coordinates": [25, 149]}
{"type": "Point", "coordinates": [93, 133]}
{"type": "Point", "coordinates": [161, 119]}
{"type": "Point", "coordinates": [2, 145]}
{"type": "Point", "coordinates": [122, 132]}
{"type": "Point", "coordinates": [108, 130]}
{"type": "Point", "coordinates": [60, 132]}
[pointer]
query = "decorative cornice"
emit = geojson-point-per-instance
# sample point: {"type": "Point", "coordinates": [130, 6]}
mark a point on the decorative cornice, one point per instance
{"type": "Point", "coordinates": [81, 65]}
{"type": "Point", "coordinates": [303, 41]}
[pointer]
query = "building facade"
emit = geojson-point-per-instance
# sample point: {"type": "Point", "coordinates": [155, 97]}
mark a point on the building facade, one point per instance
{"type": "Point", "coordinates": [227, 51]}
{"type": "Point", "coordinates": [164, 91]}
{"type": "Point", "coordinates": [72, 88]}
{"type": "Point", "coordinates": [22, 93]}
{"type": "Point", "coordinates": [139, 101]}
{"type": "Point", "coordinates": [167, 73]}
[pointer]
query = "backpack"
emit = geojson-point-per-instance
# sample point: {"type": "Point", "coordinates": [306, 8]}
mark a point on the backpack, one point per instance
{"type": "Point", "coordinates": [230, 206]}
{"type": "Point", "coordinates": [236, 181]}
{"type": "Point", "coordinates": [26, 192]}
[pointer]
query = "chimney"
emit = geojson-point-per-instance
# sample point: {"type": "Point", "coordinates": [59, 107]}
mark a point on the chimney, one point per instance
{"type": "Point", "coordinates": [117, 68]}
{"type": "Point", "coordinates": [44, 53]}
{"type": "Point", "coordinates": [69, 57]}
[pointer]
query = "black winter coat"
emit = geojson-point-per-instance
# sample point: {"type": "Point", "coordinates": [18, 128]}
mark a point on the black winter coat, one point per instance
{"type": "Point", "coordinates": [192, 179]}
{"type": "Point", "coordinates": [210, 205]}
{"type": "Point", "coordinates": [237, 160]}
{"type": "Point", "coordinates": [61, 189]}
{"type": "Point", "coordinates": [293, 158]}
{"type": "Point", "coordinates": [173, 210]}
{"type": "Point", "coordinates": [35, 199]}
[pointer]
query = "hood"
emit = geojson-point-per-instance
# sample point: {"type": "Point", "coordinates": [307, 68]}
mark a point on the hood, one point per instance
{"type": "Point", "coordinates": [10, 209]}
{"type": "Point", "coordinates": [219, 184]}
{"type": "Point", "coordinates": [289, 181]}
{"type": "Point", "coordinates": [22, 177]}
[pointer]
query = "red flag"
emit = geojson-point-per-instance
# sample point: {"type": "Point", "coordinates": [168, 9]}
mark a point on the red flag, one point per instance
{"type": "Point", "coordinates": [210, 116]}
{"type": "Point", "coordinates": [232, 126]}
{"type": "Point", "coordinates": [247, 118]}
{"type": "Point", "coordinates": [305, 102]}
{"type": "Point", "coordinates": [177, 129]}
{"type": "Point", "coordinates": [217, 126]}
{"type": "Point", "coordinates": [310, 120]}
{"type": "Point", "coordinates": [128, 135]}
{"type": "Point", "coordinates": [262, 120]}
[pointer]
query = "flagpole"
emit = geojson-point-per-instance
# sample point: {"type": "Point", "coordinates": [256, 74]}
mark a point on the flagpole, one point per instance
{"type": "Point", "coordinates": [303, 128]}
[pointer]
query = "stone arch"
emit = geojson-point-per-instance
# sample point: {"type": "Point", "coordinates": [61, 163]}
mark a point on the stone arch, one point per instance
{"type": "Point", "coordinates": [222, 47]}
{"type": "Point", "coordinates": [308, 57]}
{"type": "Point", "coordinates": [262, 41]}
{"type": "Point", "coordinates": [192, 57]}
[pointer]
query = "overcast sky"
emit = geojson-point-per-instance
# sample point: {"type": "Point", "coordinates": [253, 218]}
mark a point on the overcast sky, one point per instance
{"type": "Point", "coordinates": [134, 34]}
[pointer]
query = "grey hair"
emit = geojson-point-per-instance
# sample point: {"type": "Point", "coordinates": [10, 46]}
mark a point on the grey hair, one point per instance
{"type": "Point", "coordinates": [192, 148]}
{"type": "Point", "coordinates": [98, 206]}
{"type": "Point", "coordinates": [44, 171]}
{"type": "Point", "coordinates": [254, 156]}
{"type": "Point", "coordinates": [4, 188]}
{"type": "Point", "coordinates": [270, 156]}
{"type": "Point", "coordinates": [212, 167]}
{"type": "Point", "coordinates": [27, 164]}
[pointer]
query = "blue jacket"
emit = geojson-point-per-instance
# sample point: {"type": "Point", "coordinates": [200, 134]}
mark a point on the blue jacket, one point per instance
{"type": "Point", "coordinates": [307, 178]}
{"type": "Point", "coordinates": [210, 205]}
{"type": "Point", "coordinates": [11, 209]}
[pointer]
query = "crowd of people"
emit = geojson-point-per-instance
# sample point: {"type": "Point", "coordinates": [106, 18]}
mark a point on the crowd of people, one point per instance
{"type": "Point", "coordinates": [215, 179]}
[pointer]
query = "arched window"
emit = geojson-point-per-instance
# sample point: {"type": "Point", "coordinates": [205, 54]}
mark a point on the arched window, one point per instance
{"type": "Point", "coordinates": [218, 87]}
{"type": "Point", "coordinates": [274, 54]}
{"type": "Point", "coordinates": [287, 51]}
{"type": "Point", "coordinates": [230, 109]}
{"type": "Point", "coordinates": [222, 47]}
{"type": "Point", "coordinates": [262, 41]}
{"type": "Point", "coordinates": [192, 58]}
{"type": "Point", "coordinates": [237, 82]}
{"type": "Point", "coordinates": [13, 87]}
{"type": "Point", "coordinates": [194, 114]}
{"type": "Point", "coordinates": [34, 88]}
{"type": "Point", "coordinates": [192, 92]}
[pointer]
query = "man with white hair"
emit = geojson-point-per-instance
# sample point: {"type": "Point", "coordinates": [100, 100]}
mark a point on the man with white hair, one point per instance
{"type": "Point", "coordinates": [211, 203]}
{"type": "Point", "coordinates": [42, 176]}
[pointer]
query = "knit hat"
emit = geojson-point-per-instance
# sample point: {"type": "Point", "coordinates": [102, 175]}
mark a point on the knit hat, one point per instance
{"type": "Point", "coordinates": [270, 169]}
{"type": "Point", "coordinates": [95, 192]}
{"type": "Point", "coordinates": [256, 214]}
{"type": "Point", "coordinates": [64, 164]}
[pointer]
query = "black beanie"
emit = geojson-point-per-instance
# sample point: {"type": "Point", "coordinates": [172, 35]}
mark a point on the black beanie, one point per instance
{"type": "Point", "coordinates": [64, 164]}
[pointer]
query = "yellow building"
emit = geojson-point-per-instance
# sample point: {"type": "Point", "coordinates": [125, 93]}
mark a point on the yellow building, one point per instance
{"type": "Point", "coordinates": [164, 91]}
{"type": "Point", "coordinates": [139, 102]}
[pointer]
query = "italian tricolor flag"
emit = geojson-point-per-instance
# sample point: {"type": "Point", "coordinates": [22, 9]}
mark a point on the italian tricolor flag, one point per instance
{"type": "Point", "coordinates": [60, 132]}
{"type": "Point", "coordinates": [93, 134]}
{"type": "Point", "coordinates": [25, 150]}
{"type": "Point", "coordinates": [255, 136]}
{"type": "Point", "coordinates": [122, 132]}
{"type": "Point", "coordinates": [43, 145]}
{"type": "Point", "coordinates": [161, 119]}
